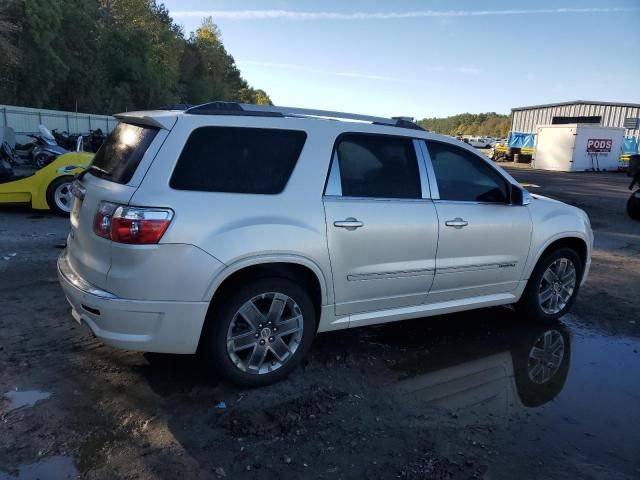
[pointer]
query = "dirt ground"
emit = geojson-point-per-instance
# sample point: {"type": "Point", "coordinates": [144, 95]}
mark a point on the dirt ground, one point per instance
{"type": "Point", "coordinates": [441, 397]}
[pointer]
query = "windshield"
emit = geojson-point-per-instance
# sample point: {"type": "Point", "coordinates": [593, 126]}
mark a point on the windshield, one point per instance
{"type": "Point", "coordinates": [46, 135]}
{"type": "Point", "coordinates": [120, 154]}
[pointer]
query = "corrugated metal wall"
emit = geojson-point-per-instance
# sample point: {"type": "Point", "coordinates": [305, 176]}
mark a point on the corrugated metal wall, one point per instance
{"type": "Point", "coordinates": [612, 116]}
{"type": "Point", "coordinates": [25, 120]}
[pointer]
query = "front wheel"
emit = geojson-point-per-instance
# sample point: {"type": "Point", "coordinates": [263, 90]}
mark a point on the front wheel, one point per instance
{"type": "Point", "coordinates": [261, 332]}
{"type": "Point", "coordinates": [553, 286]}
{"type": "Point", "coordinates": [60, 195]}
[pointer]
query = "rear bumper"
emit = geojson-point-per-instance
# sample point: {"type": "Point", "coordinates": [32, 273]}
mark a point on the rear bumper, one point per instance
{"type": "Point", "coordinates": [166, 327]}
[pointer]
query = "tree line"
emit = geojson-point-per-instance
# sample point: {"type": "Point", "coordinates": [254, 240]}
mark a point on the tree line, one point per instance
{"type": "Point", "coordinates": [481, 124]}
{"type": "Point", "coordinates": [107, 56]}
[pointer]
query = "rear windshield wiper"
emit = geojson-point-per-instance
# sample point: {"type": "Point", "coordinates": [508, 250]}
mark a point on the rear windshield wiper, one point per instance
{"type": "Point", "coordinates": [101, 171]}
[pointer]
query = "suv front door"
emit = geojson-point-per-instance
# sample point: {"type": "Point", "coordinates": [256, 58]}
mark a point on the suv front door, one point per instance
{"type": "Point", "coordinates": [382, 227]}
{"type": "Point", "coordinates": [483, 239]}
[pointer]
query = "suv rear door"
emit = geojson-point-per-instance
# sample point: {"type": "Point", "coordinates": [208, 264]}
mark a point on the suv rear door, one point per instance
{"type": "Point", "coordinates": [113, 176]}
{"type": "Point", "coordinates": [382, 228]}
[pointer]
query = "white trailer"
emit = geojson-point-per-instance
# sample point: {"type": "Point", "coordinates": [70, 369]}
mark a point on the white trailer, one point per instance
{"type": "Point", "coordinates": [577, 147]}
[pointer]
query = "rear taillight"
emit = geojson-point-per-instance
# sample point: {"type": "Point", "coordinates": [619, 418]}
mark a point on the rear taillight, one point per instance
{"type": "Point", "coordinates": [102, 221]}
{"type": "Point", "coordinates": [137, 225]}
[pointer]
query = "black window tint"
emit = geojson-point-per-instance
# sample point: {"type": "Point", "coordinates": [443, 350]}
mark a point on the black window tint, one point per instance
{"type": "Point", "coordinates": [378, 166]}
{"type": "Point", "coordinates": [120, 154]}
{"type": "Point", "coordinates": [238, 160]}
{"type": "Point", "coordinates": [462, 176]}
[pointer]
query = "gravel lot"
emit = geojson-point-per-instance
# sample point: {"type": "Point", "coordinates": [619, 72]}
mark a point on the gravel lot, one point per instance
{"type": "Point", "coordinates": [443, 397]}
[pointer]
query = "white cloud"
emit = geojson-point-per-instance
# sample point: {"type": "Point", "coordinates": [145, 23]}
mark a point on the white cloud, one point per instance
{"type": "Point", "coordinates": [302, 68]}
{"type": "Point", "coordinates": [300, 15]}
{"type": "Point", "coordinates": [468, 70]}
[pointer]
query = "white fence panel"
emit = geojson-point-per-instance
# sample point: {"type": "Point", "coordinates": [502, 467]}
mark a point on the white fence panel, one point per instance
{"type": "Point", "coordinates": [25, 120]}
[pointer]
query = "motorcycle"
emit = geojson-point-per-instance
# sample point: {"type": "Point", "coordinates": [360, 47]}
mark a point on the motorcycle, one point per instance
{"type": "Point", "coordinates": [65, 139]}
{"type": "Point", "coordinates": [633, 204]}
{"type": "Point", "coordinates": [40, 151]}
{"type": "Point", "coordinates": [7, 157]}
{"type": "Point", "coordinates": [46, 149]}
{"type": "Point", "coordinates": [94, 140]}
{"type": "Point", "coordinates": [6, 162]}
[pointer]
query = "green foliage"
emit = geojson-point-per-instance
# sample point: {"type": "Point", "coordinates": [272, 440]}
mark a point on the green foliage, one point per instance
{"type": "Point", "coordinates": [106, 56]}
{"type": "Point", "coordinates": [482, 124]}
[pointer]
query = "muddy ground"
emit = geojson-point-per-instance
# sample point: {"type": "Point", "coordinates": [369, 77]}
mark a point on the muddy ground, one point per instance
{"type": "Point", "coordinates": [443, 397]}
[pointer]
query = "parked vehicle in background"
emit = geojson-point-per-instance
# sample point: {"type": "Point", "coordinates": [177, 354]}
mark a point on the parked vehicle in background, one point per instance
{"type": "Point", "coordinates": [41, 151]}
{"type": "Point", "coordinates": [478, 142]}
{"type": "Point", "coordinates": [46, 149]}
{"type": "Point", "coordinates": [94, 140]}
{"type": "Point", "coordinates": [286, 224]}
{"type": "Point", "coordinates": [48, 188]}
{"type": "Point", "coordinates": [6, 167]}
{"type": "Point", "coordinates": [633, 204]}
{"type": "Point", "coordinates": [65, 139]}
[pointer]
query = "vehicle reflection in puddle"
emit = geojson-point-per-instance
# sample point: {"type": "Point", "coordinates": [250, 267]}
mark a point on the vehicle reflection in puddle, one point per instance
{"type": "Point", "coordinates": [51, 468]}
{"type": "Point", "coordinates": [571, 392]}
{"type": "Point", "coordinates": [490, 368]}
{"type": "Point", "coordinates": [27, 398]}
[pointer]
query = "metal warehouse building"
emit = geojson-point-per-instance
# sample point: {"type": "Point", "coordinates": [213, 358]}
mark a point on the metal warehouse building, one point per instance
{"type": "Point", "coordinates": [606, 114]}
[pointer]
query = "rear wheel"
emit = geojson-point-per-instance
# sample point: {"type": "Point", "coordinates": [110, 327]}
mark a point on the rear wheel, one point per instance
{"type": "Point", "coordinates": [60, 196]}
{"type": "Point", "coordinates": [261, 332]}
{"type": "Point", "coordinates": [553, 286]}
{"type": "Point", "coordinates": [41, 160]}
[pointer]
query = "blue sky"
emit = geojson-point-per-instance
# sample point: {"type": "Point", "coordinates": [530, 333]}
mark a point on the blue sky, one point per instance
{"type": "Point", "coordinates": [428, 58]}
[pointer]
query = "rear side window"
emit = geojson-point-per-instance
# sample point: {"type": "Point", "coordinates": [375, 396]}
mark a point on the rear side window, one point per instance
{"type": "Point", "coordinates": [120, 154]}
{"type": "Point", "coordinates": [238, 160]}
{"type": "Point", "coordinates": [378, 166]}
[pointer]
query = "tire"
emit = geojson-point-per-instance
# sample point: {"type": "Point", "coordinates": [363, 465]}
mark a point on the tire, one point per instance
{"type": "Point", "coordinates": [58, 205]}
{"type": "Point", "coordinates": [633, 205]}
{"type": "Point", "coordinates": [532, 306]}
{"type": "Point", "coordinates": [226, 322]}
{"type": "Point", "coordinates": [41, 160]}
{"type": "Point", "coordinates": [541, 361]}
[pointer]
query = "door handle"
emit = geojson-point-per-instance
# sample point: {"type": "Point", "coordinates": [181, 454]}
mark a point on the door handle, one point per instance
{"type": "Point", "coordinates": [349, 223]}
{"type": "Point", "coordinates": [456, 223]}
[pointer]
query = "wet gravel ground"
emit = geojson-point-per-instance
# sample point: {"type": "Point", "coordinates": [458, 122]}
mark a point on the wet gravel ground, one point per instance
{"type": "Point", "coordinates": [443, 397]}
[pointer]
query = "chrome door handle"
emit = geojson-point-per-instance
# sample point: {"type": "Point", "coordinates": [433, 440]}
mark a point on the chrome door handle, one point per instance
{"type": "Point", "coordinates": [456, 223]}
{"type": "Point", "coordinates": [349, 223]}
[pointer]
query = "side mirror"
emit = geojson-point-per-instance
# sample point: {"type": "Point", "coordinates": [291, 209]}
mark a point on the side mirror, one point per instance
{"type": "Point", "coordinates": [520, 196]}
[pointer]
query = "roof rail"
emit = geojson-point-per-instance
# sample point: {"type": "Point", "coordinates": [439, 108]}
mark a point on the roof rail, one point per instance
{"type": "Point", "coordinates": [233, 108]}
{"type": "Point", "coordinates": [175, 106]}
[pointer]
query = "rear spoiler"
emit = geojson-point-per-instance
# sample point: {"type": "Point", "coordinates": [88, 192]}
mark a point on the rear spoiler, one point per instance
{"type": "Point", "coordinates": [151, 118]}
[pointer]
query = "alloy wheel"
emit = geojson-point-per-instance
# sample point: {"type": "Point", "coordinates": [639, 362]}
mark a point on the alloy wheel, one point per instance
{"type": "Point", "coordinates": [557, 285]}
{"type": "Point", "coordinates": [264, 333]}
{"type": "Point", "coordinates": [546, 356]}
{"type": "Point", "coordinates": [63, 196]}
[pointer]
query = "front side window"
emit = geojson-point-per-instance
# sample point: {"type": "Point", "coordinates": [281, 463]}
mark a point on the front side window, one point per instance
{"type": "Point", "coordinates": [238, 160]}
{"type": "Point", "coordinates": [462, 176]}
{"type": "Point", "coordinates": [378, 166]}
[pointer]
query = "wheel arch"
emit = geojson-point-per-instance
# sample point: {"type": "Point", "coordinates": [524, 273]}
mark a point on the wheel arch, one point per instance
{"type": "Point", "coordinates": [299, 269]}
{"type": "Point", "coordinates": [575, 241]}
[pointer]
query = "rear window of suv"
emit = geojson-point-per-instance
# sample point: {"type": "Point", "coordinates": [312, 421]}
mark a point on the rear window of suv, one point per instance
{"type": "Point", "coordinates": [120, 154]}
{"type": "Point", "coordinates": [238, 160]}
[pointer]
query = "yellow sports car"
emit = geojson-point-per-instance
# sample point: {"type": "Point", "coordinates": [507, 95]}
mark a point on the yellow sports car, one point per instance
{"type": "Point", "coordinates": [48, 188]}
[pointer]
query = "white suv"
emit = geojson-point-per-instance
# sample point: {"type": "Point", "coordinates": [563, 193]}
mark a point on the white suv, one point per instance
{"type": "Point", "coordinates": [241, 231]}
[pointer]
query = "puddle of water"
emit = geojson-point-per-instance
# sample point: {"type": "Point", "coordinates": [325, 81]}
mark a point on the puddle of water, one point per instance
{"type": "Point", "coordinates": [548, 390]}
{"type": "Point", "coordinates": [51, 468]}
{"type": "Point", "coordinates": [27, 398]}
